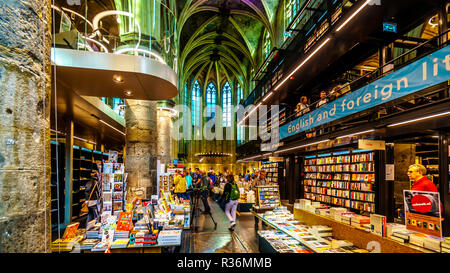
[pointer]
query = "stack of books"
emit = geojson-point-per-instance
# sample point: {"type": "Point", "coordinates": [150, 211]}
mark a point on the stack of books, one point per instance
{"type": "Point", "coordinates": [121, 235]}
{"type": "Point", "coordinates": [323, 211]}
{"type": "Point", "coordinates": [432, 243]}
{"type": "Point", "coordinates": [393, 227]}
{"type": "Point", "coordinates": [378, 224]}
{"type": "Point", "coordinates": [354, 249]}
{"type": "Point", "coordinates": [144, 238]}
{"type": "Point", "coordinates": [322, 231]}
{"type": "Point", "coordinates": [141, 225]}
{"type": "Point", "coordinates": [304, 203]}
{"type": "Point", "coordinates": [88, 244]}
{"type": "Point", "coordinates": [94, 232]}
{"type": "Point", "coordinates": [336, 212]}
{"type": "Point", "coordinates": [120, 243]}
{"type": "Point", "coordinates": [346, 217]}
{"type": "Point", "coordinates": [445, 245]}
{"type": "Point", "coordinates": [340, 243]}
{"type": "Point", "coordinates": [401, 235]}
{"type": "Point", "coordinates": [359, 220]}
{"type": "Point", "coordinates": [64, 245]}
{"type": "Point", "coordinates": [169, 237]}
{"type": "Point", "coordinates": [101, 246]}
{"type": "Point", "coordinates": [417, 239]}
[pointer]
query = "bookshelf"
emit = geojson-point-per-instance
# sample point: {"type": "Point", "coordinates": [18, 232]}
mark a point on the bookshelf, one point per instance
{"type": "Point", "coordinates": [274, 171]}
{"type": "Point", "coordinates": [344, 178]}
{"type": "Point", "coordinates": [57, 183]}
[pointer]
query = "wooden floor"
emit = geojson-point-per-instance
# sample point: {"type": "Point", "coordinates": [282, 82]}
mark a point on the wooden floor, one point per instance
{"type": "Point", "coordinates": [209, 240]}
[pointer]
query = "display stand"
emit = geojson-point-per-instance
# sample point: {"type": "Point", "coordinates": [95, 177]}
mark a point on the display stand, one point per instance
{"type": "Point", "coordinates": [268, 197]}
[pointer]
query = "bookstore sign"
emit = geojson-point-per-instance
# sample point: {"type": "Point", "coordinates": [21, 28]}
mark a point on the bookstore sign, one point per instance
{"type": "Point", "coordinates": [423, 212]}
{"type": "Point", "coordinates": [428, 71]}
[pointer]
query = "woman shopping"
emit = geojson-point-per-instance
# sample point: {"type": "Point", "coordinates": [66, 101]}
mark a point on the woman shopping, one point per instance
{"type": "Point", "coordinates": [231, 194]}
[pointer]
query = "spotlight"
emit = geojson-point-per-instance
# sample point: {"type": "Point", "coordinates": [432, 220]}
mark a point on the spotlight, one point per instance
{"type": "Point", "coordinates": [118, 79]}
{"type": "Point", "coordinates": [128, 93]}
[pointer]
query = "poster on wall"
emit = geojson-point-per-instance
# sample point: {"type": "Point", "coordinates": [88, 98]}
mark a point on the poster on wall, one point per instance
{"type": "Point", "coordinates": [423, 212]}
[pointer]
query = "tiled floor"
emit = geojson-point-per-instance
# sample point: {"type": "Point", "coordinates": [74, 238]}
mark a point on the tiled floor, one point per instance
{"type": "Point", "coordinates": [209, 240]}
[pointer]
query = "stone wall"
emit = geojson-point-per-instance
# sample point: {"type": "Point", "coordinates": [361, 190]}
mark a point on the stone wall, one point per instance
{"type": "Point", "coordinates": [404, 155]}
{"type": "Point", "coordinates": [141, 148]}
{"type": "Point", "coordinates": [25, 84]}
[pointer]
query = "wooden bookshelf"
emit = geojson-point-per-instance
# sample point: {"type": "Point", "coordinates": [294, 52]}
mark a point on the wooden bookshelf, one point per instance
{"type": "Point", "coordinates": [343, 178]}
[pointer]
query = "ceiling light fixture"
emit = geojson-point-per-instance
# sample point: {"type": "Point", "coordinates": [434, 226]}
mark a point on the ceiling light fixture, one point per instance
{"type": "Point", "coordinates": [431, 22]}
{"type": "Point", "coordinates": [353, 15]}
{"type": "Point", "coordinates": [419, 119]}
{"type": "Point", "coordinates": [128, 93]}
{"type": "Point", "coordinates": [360, 133]}
{"type": "Point", "coordinates": [306, 60]}
{"type": "Point", "coordinates": [107, 124]}
{"type": "Point", "coordinates": [301, 146]}
{"type": "Point", "coordinates": [118, 78]}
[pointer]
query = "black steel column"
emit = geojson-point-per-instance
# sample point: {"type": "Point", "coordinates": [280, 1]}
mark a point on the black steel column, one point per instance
{"type": "Point", "coordinates": [444, 180]}
{"type": "Point", "coordinates": [390, 202]}
{"type": "Point", "coordinates": [382, 189]}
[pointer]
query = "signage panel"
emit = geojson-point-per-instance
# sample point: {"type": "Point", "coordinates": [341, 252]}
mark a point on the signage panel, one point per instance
{"type": "Point", "coordinates": [423, 73]}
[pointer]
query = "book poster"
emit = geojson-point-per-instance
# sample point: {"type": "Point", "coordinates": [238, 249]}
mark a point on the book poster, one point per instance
{"type": "Point", "coordinates": [423, 212]}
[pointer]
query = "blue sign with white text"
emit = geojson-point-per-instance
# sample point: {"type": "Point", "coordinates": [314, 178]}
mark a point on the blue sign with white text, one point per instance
{"type": "Point", "coordinates": [428, 71]}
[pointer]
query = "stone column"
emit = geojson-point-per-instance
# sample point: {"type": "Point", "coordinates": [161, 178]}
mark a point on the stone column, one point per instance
{"type": "Point", "coordinates": [141, 155]}
{"type": "Point", "coordinates": [25, 84]}
{"type": "Point", "coordinates": [164, 137]}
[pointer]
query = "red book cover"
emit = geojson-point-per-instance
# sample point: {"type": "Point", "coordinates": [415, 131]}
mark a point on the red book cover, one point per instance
{"type": "Point", "coordinates": [125, 221]}
{"type": "Point", "coordinates": [70, 231]}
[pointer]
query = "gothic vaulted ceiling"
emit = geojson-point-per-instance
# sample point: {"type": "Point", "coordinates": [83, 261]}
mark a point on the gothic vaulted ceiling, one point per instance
{"type": "Point", "coordinates": [219, 38]}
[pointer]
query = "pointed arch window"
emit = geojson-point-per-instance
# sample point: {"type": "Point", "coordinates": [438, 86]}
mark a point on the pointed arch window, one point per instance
{"type": "Point", "coordinates": [290, 10]}
{"type": "Point", "coordinates": [240, 94]}
{"type": "Point", "coordinates": [267, 45]}
{"type": "Point", "coordinates": [196, 104]}
{"type": "Point", "coordinates": [226, 105]}
{"type": "Point", "coordinates": [211, 101]}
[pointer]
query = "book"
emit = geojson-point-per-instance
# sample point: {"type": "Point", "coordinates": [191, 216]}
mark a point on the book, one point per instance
{"type": "Point", "coordinates": [120, 243]}
{"type": "Point", "coordinates": [70, 231]}
{"type": "Point", "coordinates": [393, 227]}
{"type": "Point", "coordinates": [101, 246]}
{"type": "Point", "coordinates": [417, 239]}
{"type": "Point", "coordinates": [432, 243]}
{"type": "Point", "coordinates": [398, 239]}
{"type": "Point", "coordinates": [124, 222]}
{"type": "Point", "coordinates": [403, 234]}
{"type": "Point", "coordinates": [378, 224]}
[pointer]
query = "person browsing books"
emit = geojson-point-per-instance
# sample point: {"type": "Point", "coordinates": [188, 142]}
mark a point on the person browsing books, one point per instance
{"type": "Point", "coordinates": [180, 185]}
{"type": "Point", "coordinates": [416, 173]}
{"type": "Point", "coordinates": [231, 194]}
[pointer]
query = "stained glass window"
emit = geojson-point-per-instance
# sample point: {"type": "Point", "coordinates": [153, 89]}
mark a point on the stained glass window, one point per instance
{"type": "Point", "coordinates": [196, 104]}
{"type": "Point", "coordinates": [211, 101]}
{"type": "Point", "coordinates": [226, 105]}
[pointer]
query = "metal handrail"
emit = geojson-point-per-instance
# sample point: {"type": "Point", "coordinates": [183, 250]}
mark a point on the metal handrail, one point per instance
{"type": "Point", "coordinates": [289, 118]}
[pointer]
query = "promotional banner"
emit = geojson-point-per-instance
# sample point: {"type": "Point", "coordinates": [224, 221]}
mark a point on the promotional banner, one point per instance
{"type": "Point", "coordinates": [428, 71]}
{"type": "Point", "coordinates": [423, 212]}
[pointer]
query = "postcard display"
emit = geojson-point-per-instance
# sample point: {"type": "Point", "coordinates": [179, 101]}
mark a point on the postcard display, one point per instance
{"type": "Point", "coordinates": [114, 188]}
{"type": "Point", "coordinates": [345, 179]}
{"type": "Point", "coordinates": [268, 196]}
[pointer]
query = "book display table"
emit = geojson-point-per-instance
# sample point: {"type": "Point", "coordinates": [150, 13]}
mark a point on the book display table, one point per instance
{"type": "Point", "coordinates": [357, 236]}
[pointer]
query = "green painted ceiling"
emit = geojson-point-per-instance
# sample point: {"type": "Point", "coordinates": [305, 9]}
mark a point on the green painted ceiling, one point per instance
{"type": "Point", "coordinates": [226, 32]}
